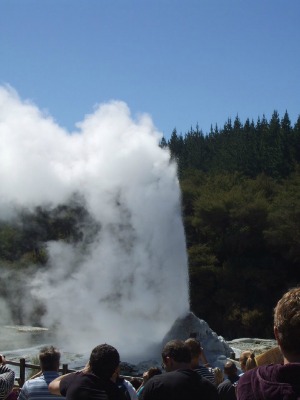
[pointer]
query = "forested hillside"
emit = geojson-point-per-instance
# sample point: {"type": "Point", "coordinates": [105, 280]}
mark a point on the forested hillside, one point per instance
{"type": "Point", "coordinates": [241, 210]}
{"type": "Point", "coordinates": [241, 206]}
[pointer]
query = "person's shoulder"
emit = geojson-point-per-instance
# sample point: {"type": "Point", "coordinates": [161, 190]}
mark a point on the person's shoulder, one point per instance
{"type": "Point", "coordinates": [34, 381]}
{"type": "Point", "coordinates": [179, 379]}
{"type": "Point", "coordinates": [178, 375]}
{"type": "Point", "coordinates": [270, 372]}
{"type": "Point", "coordinates": [209, 389]}
{"type": "Point", "coordinates": [244, 385]}
{"type": "Point", "coordinates": [227, 387]}
{"type": "Point", "coordinates": [157, 381]}
{"type": "Point", "coordinates": [247, 376]}
{"type": "Point", "coordinates": [208, 383]}
{"type": "Point", "coordinates": [205, 372]}
{"type": "Point", "coordinates": [201, 369]}
{"type": "Point", "coordinates": [25, 386]}
{"type": "Point", "coordinates": [76, 381]}
{"type": "Point", "coordinates": [4, 368]}
{"type": "Point", "coordinates": [226, 382]}
{"type": "Point", "coordinates": [31, 385]}
{"type": "Point", "coordinates": [78, 377]}
{"type": "Point", "coordinates": [162, 376]}
{"type": "Point", "coordinates": [70, 379]}
{"type": "Point", "coordinates": [198, 380]}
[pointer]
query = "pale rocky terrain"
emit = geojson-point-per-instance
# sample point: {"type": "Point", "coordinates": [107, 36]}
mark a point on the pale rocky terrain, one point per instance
{"type": "Point", "coordinates": [258, 346]}
{"type": "Point", "coordinates": [217, 349]}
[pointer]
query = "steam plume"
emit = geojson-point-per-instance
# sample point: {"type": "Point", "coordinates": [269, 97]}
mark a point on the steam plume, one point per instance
{"type": "Point", "coordinates": [132, 283]}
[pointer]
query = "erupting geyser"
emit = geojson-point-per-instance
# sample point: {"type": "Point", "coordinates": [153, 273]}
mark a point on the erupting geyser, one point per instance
{"type": "Point", "coordinates": [128, 283]}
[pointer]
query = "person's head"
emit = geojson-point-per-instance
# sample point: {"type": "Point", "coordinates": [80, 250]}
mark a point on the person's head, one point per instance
{"type": "Point", "coordinates": [230, 369]}
{"type": "Point", "coordinates": [176, 354]}
{"type": "Point", "coordinates": [195, 349]}
{"type": "Point", "coordinates": [247, 360]}
{"type": "Point", "coordinates": [49, 358]}
{"type": "Point", "coordinates": [151, 372]}
{"type": "Point", "coordinates": [104, 360]}
{"type": "Point", "coordinates": [287, 323]}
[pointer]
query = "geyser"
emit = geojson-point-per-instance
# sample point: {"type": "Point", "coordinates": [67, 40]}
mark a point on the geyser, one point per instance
{"type": "Point", "coordinates": [131, 282]}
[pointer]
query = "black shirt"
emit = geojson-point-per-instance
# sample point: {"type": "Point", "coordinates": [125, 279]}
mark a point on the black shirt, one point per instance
{"type": "Point", "coordinates": [182, 384]}
{"type": "Point", "coordinates": [87, 386]}
{"type": "Point", "coordinates": [227, 389]}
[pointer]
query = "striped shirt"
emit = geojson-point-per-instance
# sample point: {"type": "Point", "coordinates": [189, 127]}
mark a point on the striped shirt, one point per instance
{"type": "Point", "coordinates": [7, 379]}
{"type": "Point", "coordinates": [37, 388]}
{"type": "Point", "coordinates": [205, 373]}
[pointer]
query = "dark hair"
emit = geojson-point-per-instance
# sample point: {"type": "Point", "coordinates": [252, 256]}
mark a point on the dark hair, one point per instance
{"type": "Point", "coordinates": [104, 360]}
{"type": "Point", "coordinates": [49, 358]}
{"type": "Point", "coordinates": [287, 321]}
{"type": "Point", "coordinates": [177, 350]}
{"type": "Point", "coordinates": [230, 368]}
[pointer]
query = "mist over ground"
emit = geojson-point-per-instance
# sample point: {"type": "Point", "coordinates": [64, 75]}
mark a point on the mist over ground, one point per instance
{"type": "Point", "coordinates": [131, 282]}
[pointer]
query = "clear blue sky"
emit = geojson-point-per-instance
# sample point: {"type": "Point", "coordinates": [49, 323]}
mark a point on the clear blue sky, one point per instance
{"type": "Point", "coordinates": [181, 61]}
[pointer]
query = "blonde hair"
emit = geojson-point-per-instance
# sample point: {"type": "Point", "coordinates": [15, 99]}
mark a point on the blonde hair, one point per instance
{"type": "Point", "coordinates": [218, 374]}
{"type": "Point", "coordinates": [247, 360]}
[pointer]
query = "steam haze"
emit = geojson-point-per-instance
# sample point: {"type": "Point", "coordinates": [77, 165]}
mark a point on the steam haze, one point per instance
{"type": "Point", "coordinates": [131, 283]}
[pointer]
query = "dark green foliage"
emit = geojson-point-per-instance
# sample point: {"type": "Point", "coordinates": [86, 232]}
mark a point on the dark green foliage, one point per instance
{"type": "Point", "coordinates": [283, 234]}
{"type": "Point", "coordinates": [163, 143]}
{"type": "Point", "coordinates": [241, 210]}
{"type": "Point", "coordinates": [23, 240]}
{"type": "Point", "coordinates": [243, 240]}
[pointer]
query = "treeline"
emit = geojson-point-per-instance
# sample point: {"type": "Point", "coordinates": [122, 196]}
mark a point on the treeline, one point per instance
{"type": "Point", "coordinates": [272, 148]}
{"type": "Point", "coordinates": [241, 207]}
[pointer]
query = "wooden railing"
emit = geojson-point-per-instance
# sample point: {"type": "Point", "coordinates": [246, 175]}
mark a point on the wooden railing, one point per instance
{"type": "Point", "coordinates": [22, 364]}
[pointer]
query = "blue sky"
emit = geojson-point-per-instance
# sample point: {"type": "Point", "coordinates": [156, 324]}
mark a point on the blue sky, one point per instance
{"type": "Point", "coordinates": [181, 61]}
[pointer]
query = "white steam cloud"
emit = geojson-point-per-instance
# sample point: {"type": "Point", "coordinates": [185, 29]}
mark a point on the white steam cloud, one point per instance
{"type": "Point", "coordinates": [132, 284]}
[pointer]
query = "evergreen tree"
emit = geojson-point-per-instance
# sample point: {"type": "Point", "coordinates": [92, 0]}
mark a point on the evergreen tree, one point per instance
{"type": "Point", "coordinates": [296, 141]}
{"type": "Point", "coordinates": [176, 146]}
{"type": "Point", "coordinates": [163, 143]}
{"type": "Point", "coordinates": [286, 161]}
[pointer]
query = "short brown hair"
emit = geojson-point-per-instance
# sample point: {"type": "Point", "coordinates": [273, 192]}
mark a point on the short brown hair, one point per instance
{"type": "Point", "coordinates": [194, 346]}
{"type": "Point", "coordinates": [177, 350]}
{"type": "Point", "coordinates": [287, 321]}
{"type": "Point", "coordinates": [49, 358]}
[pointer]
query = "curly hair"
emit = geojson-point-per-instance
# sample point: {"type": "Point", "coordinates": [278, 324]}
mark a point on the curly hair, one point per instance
{"type": "Point", "coordinates": [287, 321]}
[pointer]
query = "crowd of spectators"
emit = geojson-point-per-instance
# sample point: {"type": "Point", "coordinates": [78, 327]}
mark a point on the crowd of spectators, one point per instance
{"type": "Point", "coordinates": [185, 373]}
